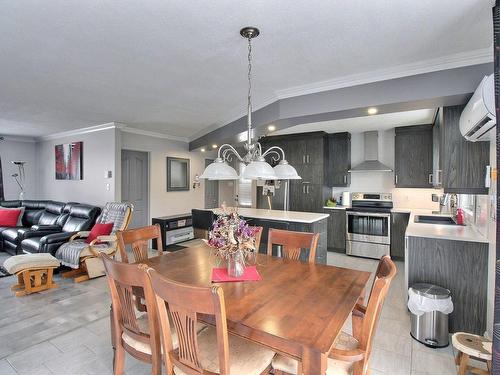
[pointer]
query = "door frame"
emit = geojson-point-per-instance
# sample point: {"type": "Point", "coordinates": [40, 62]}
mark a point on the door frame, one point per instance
{"type": "Point", "coordinates": [148, 154]}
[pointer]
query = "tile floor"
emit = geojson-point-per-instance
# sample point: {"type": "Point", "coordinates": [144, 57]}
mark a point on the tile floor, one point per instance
{"type": "Point", "coordinates": [66, 331]}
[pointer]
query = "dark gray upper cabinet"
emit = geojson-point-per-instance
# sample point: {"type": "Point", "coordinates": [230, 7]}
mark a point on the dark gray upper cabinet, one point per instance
{"type": "Point", "coordinates": [338, 162]}
{"type": "Point", "coordinates": [398, 229]}
{"type": "Point", "coordinates": [413, 157]}
{"type": "Point", "coordinates": [463, 163]}
{"type": "Point", "coordinates": [336, 229]}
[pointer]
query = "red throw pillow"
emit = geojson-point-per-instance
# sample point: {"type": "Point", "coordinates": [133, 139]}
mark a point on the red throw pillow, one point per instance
{"type": "Point", "coordinates": [8, 218]}
{"type": "Point", "coordinates": [99, 230]}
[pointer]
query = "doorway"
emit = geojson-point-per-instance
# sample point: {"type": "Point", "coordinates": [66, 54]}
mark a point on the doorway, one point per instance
{"type": "Point", "coordinates": [211, 190]}
{"type": "Point", "coordinates": [135, 185]}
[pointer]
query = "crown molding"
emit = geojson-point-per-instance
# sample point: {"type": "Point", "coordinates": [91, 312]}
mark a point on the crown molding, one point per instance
{"type": "Point", "coordinates": [71, 133]}
{"type": "Point", "coordinates": [128, 129]}
{"type": "Point", "coordinates": [15, 138]}
{"type": "Point", "coordinates": [457, 60]}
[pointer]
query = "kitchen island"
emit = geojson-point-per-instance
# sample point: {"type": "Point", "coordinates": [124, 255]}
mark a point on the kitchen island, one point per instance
{"type": "Point", "coordinates": [288, 220]}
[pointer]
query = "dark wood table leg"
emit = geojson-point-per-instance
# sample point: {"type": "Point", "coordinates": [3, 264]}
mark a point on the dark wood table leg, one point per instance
{"type": "Point", "coordinates": [313, 362]}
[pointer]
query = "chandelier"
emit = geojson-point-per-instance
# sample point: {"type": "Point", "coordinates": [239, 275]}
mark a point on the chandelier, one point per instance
{"type": "Point", "coordinates": [256, 167]}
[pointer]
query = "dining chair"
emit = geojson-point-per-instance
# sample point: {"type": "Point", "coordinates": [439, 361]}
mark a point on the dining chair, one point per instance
{"type": "Point", "coordinates": [132, 332]}
{"type": "Point", "coordinates": [292, 243]}
{"type": "Point", "coordinates": [212, 350]}
{"type": "Point", "coordinates": [138, 239]}
{"type": "Point", "coordinates": [258, 237]}
{"type": "Point", "coordinates": [351, 353]}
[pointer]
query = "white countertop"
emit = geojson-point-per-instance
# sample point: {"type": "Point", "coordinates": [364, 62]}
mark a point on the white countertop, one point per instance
{"type": "Point", "coordinates": [447, 232]}
{"type": "Point", "coordinates": [294, 216]}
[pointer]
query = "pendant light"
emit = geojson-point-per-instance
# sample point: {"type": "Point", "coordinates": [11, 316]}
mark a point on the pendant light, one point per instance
{"type": "Point", "coordinates": [256, 166]}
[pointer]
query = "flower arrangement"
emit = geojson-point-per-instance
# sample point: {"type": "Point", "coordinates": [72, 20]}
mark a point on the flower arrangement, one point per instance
{"type": "Point", "coordinates": [231, 235]}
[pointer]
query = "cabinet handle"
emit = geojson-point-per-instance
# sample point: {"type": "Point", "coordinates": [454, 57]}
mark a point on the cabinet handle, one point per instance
{"type": "Point", "coordinates": [307, 189]}
{"type": "Point", "coordinates": [303, 159]}
{"type": "Point", "coordinates": [430, 178]}
{"type": "Point", "coordinates": [308, 159]}
{"type": "Point", "coordinates": [345, 179]}
{"type": "Point", "coordinates": [396, 179]}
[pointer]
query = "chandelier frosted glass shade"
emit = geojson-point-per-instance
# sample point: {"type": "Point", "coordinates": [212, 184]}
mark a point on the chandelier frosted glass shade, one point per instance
{"type": "Point", "coordinates": [259, 170]}
{"type": "Point", "coordinates": [285, 171]}
{"type": "Point", "coordinates": [219, 170]}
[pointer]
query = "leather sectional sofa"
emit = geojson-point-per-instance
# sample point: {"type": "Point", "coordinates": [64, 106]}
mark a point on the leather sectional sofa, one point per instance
{"type": "Point", "coordinates": [46, 225]}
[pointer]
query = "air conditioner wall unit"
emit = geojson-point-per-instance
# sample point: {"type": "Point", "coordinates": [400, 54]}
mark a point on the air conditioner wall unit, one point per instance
{"type": "Point", "coordinates": [478, 121]}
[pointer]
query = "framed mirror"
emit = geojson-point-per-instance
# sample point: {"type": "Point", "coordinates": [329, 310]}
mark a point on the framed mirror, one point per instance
{"type": "Point", "coordinates": [177, 174]}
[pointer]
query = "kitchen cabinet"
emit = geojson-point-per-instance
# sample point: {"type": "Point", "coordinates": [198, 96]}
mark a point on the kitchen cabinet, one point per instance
{"type": "Point", "coordinates": [336, 230]}
{"type": "Point", "coordinates": [413, 157]}
{"type": "Point", "coordinates": [461, 267]}
{"type": "Point", "coordinates": [306, 153]}
{"type": "Point", "coordinates": [437, 173]}
{"type": "Point", "coordinates": [463, 163]}
{"type": "Point", "coordinates": [398, 229]}
{"type": "Point", "coordinates": [338, 162]}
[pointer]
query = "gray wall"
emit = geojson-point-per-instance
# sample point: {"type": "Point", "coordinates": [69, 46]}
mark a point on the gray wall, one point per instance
{"type": "Point", "coordinates": [98, 157]}
{"type": "Point", "coordinates": [163, 202]}
{"type": "Point", "coordinates": [18, 149]}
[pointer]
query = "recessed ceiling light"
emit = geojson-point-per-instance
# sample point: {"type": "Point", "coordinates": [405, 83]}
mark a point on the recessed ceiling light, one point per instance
{"type": "Point", "coordinates": [271, 128]}
{"type": "Point", "coordinates": [202, 150]}
{"type": "Point", "coordinates": [372, 111]}
{"type": "Point", "coordinates": [214, 146]}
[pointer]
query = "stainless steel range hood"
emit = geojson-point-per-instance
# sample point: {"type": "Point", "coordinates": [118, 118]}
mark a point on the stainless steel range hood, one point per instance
{"type": "Point", "coordinates": [371, 163]}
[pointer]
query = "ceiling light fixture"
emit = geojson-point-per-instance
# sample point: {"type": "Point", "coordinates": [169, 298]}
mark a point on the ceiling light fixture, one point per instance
{"type": "Point", "coordinates": [202, 150]}
{"type": "Point", "coordinates": [256, 165]}
{"type": "Point", "coordinates": [214, 146]}
{"type": "Point", "coordinates": [271, 128]}
{"type": "Point", "coordinates": [372, 111]}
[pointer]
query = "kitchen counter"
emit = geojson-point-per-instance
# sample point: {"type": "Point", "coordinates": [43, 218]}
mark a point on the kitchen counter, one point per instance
{"type": "Point", "coordinates": [440, 231]}
{"type": "Point", "coordinates": [279, 215]}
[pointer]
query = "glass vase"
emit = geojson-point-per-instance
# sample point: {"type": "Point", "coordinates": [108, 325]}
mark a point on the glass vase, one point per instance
{"type": "Point", "coordinates": [236, 264]}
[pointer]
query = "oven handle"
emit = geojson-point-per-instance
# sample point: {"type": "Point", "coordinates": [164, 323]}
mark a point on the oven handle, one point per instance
{"type": "Point", "coordinates": [377, 214]}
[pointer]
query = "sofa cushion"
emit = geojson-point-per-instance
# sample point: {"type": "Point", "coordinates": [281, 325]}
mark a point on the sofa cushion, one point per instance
{"type": "Point", "coordinates": [10, 234]}
{"type": "Point", "coordinates": [31, 245]}
{"type": "Point", "coordinates": [51, 213]}
{"type": "Point", "coordinates": [81, 217]}
{"type": "Point", "coordinates": [20, 218]}
{"type": "Point", "coordinates": [9, 217]}
{"type": "Point", "coordinates": [22, 262]}
{"type": "Point", "coordinates": [99, 230]}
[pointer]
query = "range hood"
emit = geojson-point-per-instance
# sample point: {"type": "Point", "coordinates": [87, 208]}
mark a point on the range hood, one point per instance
{"type": "Point", "coordinates": [371, 163]}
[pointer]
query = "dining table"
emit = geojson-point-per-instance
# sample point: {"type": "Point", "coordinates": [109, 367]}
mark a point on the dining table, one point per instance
{"type": "Point", "coordinates": [297, 309]}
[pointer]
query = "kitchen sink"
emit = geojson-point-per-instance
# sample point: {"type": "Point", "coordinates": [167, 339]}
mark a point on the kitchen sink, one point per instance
{"type": "Point", "coordinates": [427, 219]}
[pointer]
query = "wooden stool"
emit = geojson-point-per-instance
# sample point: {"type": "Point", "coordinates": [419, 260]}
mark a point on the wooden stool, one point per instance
{"type": "Point", "coordinates": [471, 346]}
{"type": "Point", "coordinates": [34, 272]}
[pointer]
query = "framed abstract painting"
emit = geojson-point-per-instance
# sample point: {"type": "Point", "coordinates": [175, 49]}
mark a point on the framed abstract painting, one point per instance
{"type": "Point", "coordinates": [69, 161]}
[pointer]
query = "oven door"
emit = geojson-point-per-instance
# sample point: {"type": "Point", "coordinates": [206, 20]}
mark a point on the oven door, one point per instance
{"type": "Point", "coordinates": [373, 227]}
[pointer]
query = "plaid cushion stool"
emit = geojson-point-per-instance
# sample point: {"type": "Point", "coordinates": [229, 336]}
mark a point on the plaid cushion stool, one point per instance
{"type": "Point", "coordinates": [34, 272]}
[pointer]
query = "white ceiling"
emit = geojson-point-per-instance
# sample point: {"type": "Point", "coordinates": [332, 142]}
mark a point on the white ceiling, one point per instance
{"type": "Point", "coordinates": [178, 67]}
{"type": "Point", "coordinates": [384, 121]}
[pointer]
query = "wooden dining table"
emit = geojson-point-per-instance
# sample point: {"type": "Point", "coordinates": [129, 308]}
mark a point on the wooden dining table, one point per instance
{"type": "Point", "coordinates": [296, 309]}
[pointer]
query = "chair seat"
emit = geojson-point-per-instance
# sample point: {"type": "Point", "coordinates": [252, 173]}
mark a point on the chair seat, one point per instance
{"type": "Point", "coordinates": [102, 248]}
{"type": "Point", "coordinates": [144, 347]}
{"type": "Point", "coordinates": [473, 345]}
{"type": "Point", "coordinates": [18, 263]}
{"type": "Point", "coordinates": [245, 357]}
{"type": "Point", "coordinates": [31, 245]}
{"type": "Point", "coordinates": [335, 367]}
{"type": "Point", "coordinates": [10, 234]}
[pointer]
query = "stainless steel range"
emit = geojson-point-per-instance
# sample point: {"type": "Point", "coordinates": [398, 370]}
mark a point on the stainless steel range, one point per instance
{"type": "Point", "coordinates": [368, 225]}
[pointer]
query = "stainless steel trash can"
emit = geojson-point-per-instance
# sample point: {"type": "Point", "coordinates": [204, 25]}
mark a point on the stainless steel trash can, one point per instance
{"type": "Point", "coordinates": [431, 328]}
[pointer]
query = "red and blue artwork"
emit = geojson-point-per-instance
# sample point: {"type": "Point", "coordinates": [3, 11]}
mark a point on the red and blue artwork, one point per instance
{"type": "Point", "coordinates": [69, 161]}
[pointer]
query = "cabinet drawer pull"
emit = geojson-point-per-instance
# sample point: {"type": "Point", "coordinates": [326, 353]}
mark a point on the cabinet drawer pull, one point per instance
{"type": "Point", "coordinates": [430, 178]}
{"type": "Point", "coordinates": [345, 179]}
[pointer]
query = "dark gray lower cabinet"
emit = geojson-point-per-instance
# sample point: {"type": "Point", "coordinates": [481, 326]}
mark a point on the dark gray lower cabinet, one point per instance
{"type": "Point", "coordinates": [336, 230]}
{"type": "Point", "coordinates": [398, 229]}
{"type": "Point", "coordinates": [461, 267]}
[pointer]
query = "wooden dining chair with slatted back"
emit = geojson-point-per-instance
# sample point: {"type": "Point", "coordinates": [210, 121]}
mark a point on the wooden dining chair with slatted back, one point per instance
{"type": "Point", "coordinates": [258, 237]}
{"type": "Point", "coordinates": [133, 332]}
{"type": "Point", "coordinates": [351, 354]}
{"type": "Point", "coordinates": [292, 243]}
{"type": "Point", "coordinates": [211, 351]}
{"type": "Point", "coordinates": [138, 239]}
